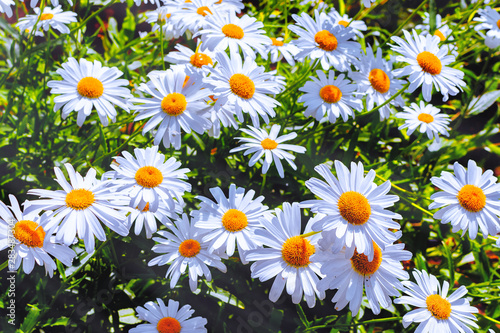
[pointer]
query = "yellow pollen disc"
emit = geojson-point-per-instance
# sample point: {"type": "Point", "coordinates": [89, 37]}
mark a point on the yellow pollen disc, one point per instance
{"type": "Point", "coordinates": [200, 59]}
{"type": "Point", "coordinates": [438, 306]}
{"type": "Point", "coordinates": [219, 2]}
{"type": "Point", "coordinates": [268, 144]}
{"type": "Point", "coordinates": [472, 198]}
{"type": "Point", "coordinates": [203, 10]}
{"type": "Point", "coordinates": [148, 176]}
{"type": "Point", "coordinates": [429, 63]}
{"type": "Point", "coordinates": [242, 85]}
{"type": "Point", "coordinates": [79, 199]}
{"type": "Point", "coordinates": [330, 94]}
{"type": "Point", "coordinates": [277, 42]}
{"type": "Point", "coordinates": [234, 220]}
{"type": "Point", "coordinates": [344, 23]}
{"type": "Point", "coordinates": [326, 40]}
{"type": "Point", "coordinates": [46, 16]}
{"type": "Point", "coordinates": [440, 35]}
{"type": "Point", "coordinates": [426, 118]}
{"type": "Point", "coordinates": [146, 208]}
{"type": "Point", "coordinates": [29, 233]}
{"type": "Point", "coordinates": [362, 266]}
{"type": "Point", "coordinates": [379, 80]}
{"type": "Point", "coordinates": [354, 207]}
{"type": "Point", "coordinates": [296, 251]}
{"type": "Point", "coordinates": [90, 87]}
{"type": "Point", "coordinates": [233, 31]}
{"type": "Point", "coordinates": [174, 104]}
{"type": "Point", "coordinates": [189, 248]}
{"type": "Point", "coordinates": [168, 325]}
{"type": "Point", "coordinates": [498, 24]}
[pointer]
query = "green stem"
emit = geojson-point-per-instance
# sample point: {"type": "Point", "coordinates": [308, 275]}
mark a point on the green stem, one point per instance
{"type": "Point", "coordinates": [312, 233]}
{"type": "Point", "coordinates": [387, 101]}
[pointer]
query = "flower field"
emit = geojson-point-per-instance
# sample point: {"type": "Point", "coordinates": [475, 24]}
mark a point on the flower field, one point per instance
{"type": "Point", "coordinates": [239, 166]}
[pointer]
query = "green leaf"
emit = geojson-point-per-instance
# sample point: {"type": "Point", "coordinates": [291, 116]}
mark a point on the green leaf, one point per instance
{"type": "Point", "coordinates": [30, 320]}
{"type": "Point", "coordinates": [480, 104]}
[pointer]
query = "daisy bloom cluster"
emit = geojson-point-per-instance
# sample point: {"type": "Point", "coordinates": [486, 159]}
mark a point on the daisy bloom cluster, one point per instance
{"type": "Point", "coordinates": [489, 18]}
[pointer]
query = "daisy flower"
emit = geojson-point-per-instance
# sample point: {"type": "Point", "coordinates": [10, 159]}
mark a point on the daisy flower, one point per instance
{"type": "Point", "coordinates": [194, 63]}
{"type": "Point", "coordinates": [442, 29]}
{"type": "Point", "coordinates": [150, 180]}
{"type": "Point", "coordinates": [490, 21]}
{"type": "Point", "coordinates": [176, 102]}
{"type": "Point", "coordinates": [223, 115]}
{"type": "Point", "coordinates": [5, 7]}
{"type": "Point", "coordinates": [287, 256]}
{"type": "Point", "coordinates": [229, 220]}
{"type": "Point", "coordinates": [162, 17]}
{"type": "Point", "coordinates": [225, 30]}
{"type": "Point", "coordinates": [346, 21]}
{"type": "Point", "coordinates": [270, 146]}
{"type": "Point", "coordinates": [193, 14]}
{"type": "Point", "coordinates": [380, 277]}
{"type": "Point", "coordinates": [51, 17]}
{"type": "Point", "coordinates": [168, 318]}
{"type": "Point", "coordinates": [87, 85]}
{"type": "Point", "coordinates": [79, 207]}
{"type": "Point", "coordinates": [183, 248]}
{"type": "Point", "coordinates": [147, 218]}
{"type": "Point", "coordinates": [428, 65]}
{"type": "Point", "coordinates": [469, 199]}
{"type": "Point", "coordinates": [322, 39]}
{"type": "Point", "coordinates": [243, 85]}
{"type": "Point", "coordinates": [232, 5]}
{"type": "Point", "coordinates": [354, 207]}
{"type": "Point", "coordinates": [436, 311]}
{"type": "Point", "coordinates": [328, 98]}
{"type": "Point", "coordinates": [279, 50]}
{"type": "Point", "coordinates": [428, 117]}
{"type": "Point", "coordinates": [34, 241]}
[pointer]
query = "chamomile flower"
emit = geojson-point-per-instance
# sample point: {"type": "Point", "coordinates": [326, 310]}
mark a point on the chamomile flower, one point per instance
{"type": "Point", "coordinates": [85, 86]}
{"type": "Point", "coordinates": [322, 39]}
{"type": "Point", "coordinates": [428, 117]}
{"type": "Point", "coordinates": [34, 241]}
{"type": "Point", "coordinates": [355, 208]}
{"type": "Point", "coordinates": [147, 218]}
{"type": "Point", "coordinates": [80, 206]}
{"type": "Point", "coordinates": [375, 78]}
{"type": "Point", "coordinates": [442, 29]}
{"type": "Point", "coordinates": [279, 50]}
{"type": "Point", "coordinates": [243, 86]}
{"type": "Point", "coordinates": [223, 115]}
{"type": "Point", "coordinates": [229, 220]}
{"type": "Point", "coordinates": [225, 30]}
{"type": "Point", "coordinates": [5, 7]}
{"type": "Point", "coordinates": [490, 21]}
{"type": "Point", "coordinates": [176, 102]}
{"type": "Point", "coordinates": [469, 200]}
{"type": "Point", "coordinates": [327, 98]}
{"type": "Point", "coordinates": [346, 21]}
{"type": "Point", "coordinates": [380, 277]}
{"type": "Point", "coordinates": [168, 318]}
{"type": "Point", "coordinates": [194, 14]}
{"type": "Point", "coordinates": [437, 312]}
{"type": "Point", "coordinates": [428, 65]}
{"type": "Point", "coordinates": [162, 18]}
{"type": "Point", "coordinates": [51, 17]}
{"type": "Point", "coordinates": [269, 146]}
{"type": "Point", "coordinates": [287, 256]}
{"type": "Point", "coordinates": [183, 248]}
{"type": "Point", "coordinates": [195, 63]}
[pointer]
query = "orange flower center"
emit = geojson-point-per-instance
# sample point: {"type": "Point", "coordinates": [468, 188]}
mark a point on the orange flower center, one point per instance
{"type": "Point", "coordinates": [354, 207]}
{"type": "Point", "coordinates": [429, 63]}
{"type": "Point", "coordinates": [189, 248]}
{"type": "Point", "coordinates": [379, 80]}
{"type": "Point", "coordinates": [200, 59]}
{"type": "Point", "coordinates": [146, 208]}
{"type": "Point", "coordinates": [46, 16]}
{"type": "Point", "coordinates": [330, 94]}
{"type": "Point", "coordinates": [440, 35]}
{"type": "Point", "coordinates": [234, 220]}
{"type": "Point", "coordinates": [326, 40]}
{"type": "Point", "coordinates": [29, 233]}
{"type": "Point", "coordinates": [174, 104]}
{"type": "Point", "coordinates": [344, 23]}
{"type": "Point", "coordinates": [362, 266]}
{"type": "Point", "coordinates": [203, 10]}
{"type": "Point", "coordinates": [79, 199]}
{"type": "Point", "coordinates": [296, 251]}
{"type": "Point", "coordinates": [148, 176]}
{"type": "Point", "coordinates": [472, 198]}
{"type": "Point", "coordinates": [168, 325]}
{"type": "Point", "coordinates": [426, 118]}
{"type": "Point", "coordinates": [277, 42]}
{"type": "Point", "coordinates": [233, 31]}
{"type": "Point", "coordinates": [498, 24]}
{"type": "Point", "coordinates": [242, 85]}
{"type": "Point", "coordinates": [268, 144]}
{"type": "Point", "coordinates": [90, 87]}
{"type": "Point", "coordinates": [438, 306]}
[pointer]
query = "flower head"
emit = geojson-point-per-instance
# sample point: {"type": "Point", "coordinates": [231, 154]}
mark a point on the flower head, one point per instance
{"type": "Point", "coordinates": [50, 17]}
{"type": "Point", "coordinates": [428, 117]}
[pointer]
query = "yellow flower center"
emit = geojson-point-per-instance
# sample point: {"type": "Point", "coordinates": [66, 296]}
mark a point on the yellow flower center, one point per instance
{"type": "Point", "coordinates": [29, 233]}
{"type": "Point", "coordinates": [438, 306]}
{"type": "Point", "coordinates": [46, 16]}
{"type": "Point", "coordinates": [296, 251]}
{"type": "Point", "coordinates": [429, 63]}
{"type": "Point", "coordinates": [362, 266]}
{"type": "Point", "coordinates": [200, 59]}
{"type": "Point", "coordinates": [79, 199]}
{"type": "Point", "coordinates": [379, 80]}
{"type": "Point", "coordinates": [498, 24]}
{"type": "Point", "coordinates": [242, 85]}
{"type": "Point", "coordinates": [344, 23]}
{"type": "Point", "coordinates": [426, 118]}
{"type": "Point", "coordinates": [146, 208]}
{"type": "Point", "coordinates": [189, 248]}
{"type": "Point", "coordinates": [234, 220]}
{"type": "Point", "coordinates": [472, 198]}
{"type": "Point", "coordinates": [174, 104]}
{"type": "Point", "coordinates": [148, 176]}
{"type": "Point", "coordinates": [233, 31]}
{"type": "Point", "coordinates": [330, 94]}
{"type": "Point", "coordinates": [354, 207]}
{"type": "Point", "coordinates": [90, 87]}
{"type": "Point", "coordinates": [203, 10]}
{"type": "Point", "coordinates": [268, 144]}
{"type": "Point", "coordinates": [326, 40]}
{"type": "Point", "coordinates": [168, 325]}
{"type": "Point", "coordinates": [440, 35]}
{"type": "Point", "coordinates": [276, 42]}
